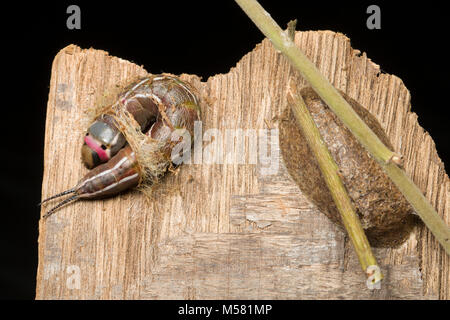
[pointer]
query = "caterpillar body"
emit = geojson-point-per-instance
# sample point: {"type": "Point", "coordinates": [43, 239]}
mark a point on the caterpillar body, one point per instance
{"type": "Point", "coordinates": [158, 105]}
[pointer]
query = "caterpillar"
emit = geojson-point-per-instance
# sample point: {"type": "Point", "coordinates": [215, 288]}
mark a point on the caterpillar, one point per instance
{"type": "Point", "coordinates": [156, 106]}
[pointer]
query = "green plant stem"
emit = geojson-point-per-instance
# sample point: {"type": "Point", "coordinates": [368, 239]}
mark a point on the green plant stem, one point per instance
{"type": "Point", "coordinates": [318, 82]}
{"type": "Point", "coordinates": [330, 173]}
{"type": "Point", "coordinates": [385, 157]}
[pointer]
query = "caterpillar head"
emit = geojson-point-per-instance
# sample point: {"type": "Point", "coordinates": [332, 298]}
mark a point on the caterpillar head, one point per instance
{"type": "Point", "coordinates": [101, 142]}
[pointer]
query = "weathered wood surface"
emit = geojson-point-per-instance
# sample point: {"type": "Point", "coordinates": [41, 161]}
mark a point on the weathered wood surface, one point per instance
{"type": "Point", "coordinates": [228, 231]}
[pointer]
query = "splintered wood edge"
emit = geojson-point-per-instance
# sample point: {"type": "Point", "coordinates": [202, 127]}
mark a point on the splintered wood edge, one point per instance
{"type": "Point", "coordinates": [421, 160]}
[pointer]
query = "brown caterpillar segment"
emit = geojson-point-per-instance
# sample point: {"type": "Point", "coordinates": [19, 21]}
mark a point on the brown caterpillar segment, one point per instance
{"type": "Point", "coordinates": [147, 101]}
{"type": "Point", "coordinates": [131, 142]}
{"type": "Point", "coordinates": [177, 110]}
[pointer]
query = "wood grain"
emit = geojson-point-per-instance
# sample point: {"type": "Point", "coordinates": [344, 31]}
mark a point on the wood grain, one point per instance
{"type": "Point", "coordinates": [228, 231]}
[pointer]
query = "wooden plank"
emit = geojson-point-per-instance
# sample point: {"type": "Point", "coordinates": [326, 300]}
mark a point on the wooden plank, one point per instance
{"type": "Point", "coordinates": [226, 231]}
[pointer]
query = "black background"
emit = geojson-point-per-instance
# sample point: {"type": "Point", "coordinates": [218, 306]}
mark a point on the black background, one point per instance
{"type": "Point", "coordinates": [199, 37]}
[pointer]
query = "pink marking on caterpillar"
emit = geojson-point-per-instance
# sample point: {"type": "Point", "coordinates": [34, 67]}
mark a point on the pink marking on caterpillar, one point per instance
{"type": "Point", "coordinates": [101, 153]}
